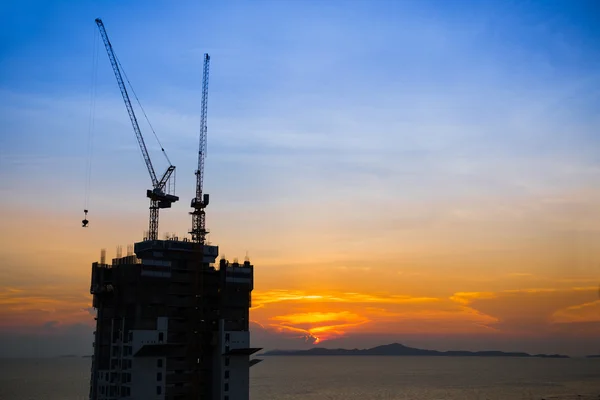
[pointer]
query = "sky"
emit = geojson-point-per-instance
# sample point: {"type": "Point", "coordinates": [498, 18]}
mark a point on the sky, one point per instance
{"type": "Point", "coordinates": [423, 172]}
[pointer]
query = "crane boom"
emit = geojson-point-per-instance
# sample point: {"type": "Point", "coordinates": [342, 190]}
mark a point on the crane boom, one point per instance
{"type": "Point", "coordinates": [134, 122]}
{"type": "Point", "coordinates": [158, 197]}
{"type": "Point", "coordinates": [200, 202]}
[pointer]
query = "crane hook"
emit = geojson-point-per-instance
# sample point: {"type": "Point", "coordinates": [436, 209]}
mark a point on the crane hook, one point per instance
{"type": "Point", "coordinates": [84, 222]}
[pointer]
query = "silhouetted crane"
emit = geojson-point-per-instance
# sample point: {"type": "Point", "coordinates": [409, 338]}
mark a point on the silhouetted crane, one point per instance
{"type": "Point", "coordinates": [158, 198]}
{"type": "Point", "coordinates": [200, 202]}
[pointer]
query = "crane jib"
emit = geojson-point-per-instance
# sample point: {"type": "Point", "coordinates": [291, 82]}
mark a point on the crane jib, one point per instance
{"type": "Point", "coordinates": [132, 117]}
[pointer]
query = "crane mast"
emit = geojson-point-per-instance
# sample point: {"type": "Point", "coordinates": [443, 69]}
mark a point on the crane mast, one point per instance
{"type": "Point", "coordinates": [200, 202]}
{"type": "Point", "coordinates": [158, 198]}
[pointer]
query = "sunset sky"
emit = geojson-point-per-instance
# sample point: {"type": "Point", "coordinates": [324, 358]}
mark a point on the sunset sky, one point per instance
{"type": "Point", "coordinates": [423, 172]}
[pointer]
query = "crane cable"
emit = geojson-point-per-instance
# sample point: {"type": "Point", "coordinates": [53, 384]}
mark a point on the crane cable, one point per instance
{"type": "Point", "coordinates": [143, 111]}
{"type": "Point", "coordinates": [91, 124]}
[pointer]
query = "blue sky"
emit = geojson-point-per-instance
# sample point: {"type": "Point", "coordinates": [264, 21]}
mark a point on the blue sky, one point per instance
{"type": "Point", "coordinates": [310, 102]}
{"type": "Point", "coordinates": [418, 130]}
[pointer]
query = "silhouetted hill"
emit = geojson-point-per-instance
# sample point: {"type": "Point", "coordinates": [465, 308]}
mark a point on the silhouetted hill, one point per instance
{"type": "Point", "coordinates": [594, 356]}
{"type": "Point", "coordinates": [397, 349]}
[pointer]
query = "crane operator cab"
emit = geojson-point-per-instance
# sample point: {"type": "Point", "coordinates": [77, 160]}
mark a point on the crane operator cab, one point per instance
{"type": "Point", "coordinates": [85, 222]}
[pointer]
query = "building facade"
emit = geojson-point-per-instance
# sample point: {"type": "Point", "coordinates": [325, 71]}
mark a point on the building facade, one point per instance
{"type": "Point", "coordinates": [171, 324]}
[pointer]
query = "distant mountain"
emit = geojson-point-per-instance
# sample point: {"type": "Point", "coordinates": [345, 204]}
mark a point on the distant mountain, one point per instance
{"type": "Point", "coordinates": [594, 356]}
{"type": "Point", "coordinates": [397, 349]}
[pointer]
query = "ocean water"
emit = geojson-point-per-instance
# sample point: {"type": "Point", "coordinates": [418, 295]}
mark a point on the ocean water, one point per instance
{"type": "Point", "coordinates": [348, 378]}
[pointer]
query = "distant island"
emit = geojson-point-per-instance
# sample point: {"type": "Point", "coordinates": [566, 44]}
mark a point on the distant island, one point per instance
{"type": "Point", "coordinates": [397, 349]}
{"type": "Point", "coordinates": [594, 356]}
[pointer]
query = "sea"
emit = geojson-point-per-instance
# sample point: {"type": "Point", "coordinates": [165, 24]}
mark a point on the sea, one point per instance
{"type": "Point", "coordinates": [347, 378]}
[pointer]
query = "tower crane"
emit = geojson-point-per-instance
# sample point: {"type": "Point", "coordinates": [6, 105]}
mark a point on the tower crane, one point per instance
{"type": "Point", "coordinates": [158, 198]}
{"type": "Point", "coordinates": [200, 202]}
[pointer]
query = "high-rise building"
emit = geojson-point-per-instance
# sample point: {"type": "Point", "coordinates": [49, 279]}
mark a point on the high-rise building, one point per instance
{"type": "Point", "coordinates": [171, 324]}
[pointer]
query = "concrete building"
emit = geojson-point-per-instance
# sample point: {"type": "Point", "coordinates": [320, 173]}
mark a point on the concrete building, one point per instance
{"type": "Point", "coordinates": [171, 324]}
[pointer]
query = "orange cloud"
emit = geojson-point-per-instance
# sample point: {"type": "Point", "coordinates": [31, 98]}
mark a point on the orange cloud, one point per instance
{"type": "Point", "coordinates": [319, 325]}
{"type": "Point", "coordinates": [534, 311]}
{"type": "Point", "coordinates": [320, 316]}
{"type": "Point", "coordinates": [23, 309]}
{"type": "Point", "coordinates": [586, 312]}
{"type": "Point", "coordinates": [324, 316]}
{"type": "Point", "coordinates": [261, 298]}
{"type": "Point", "coordinates": [468, 297]}
{"type": "Point", "coordinates": [316, 317]}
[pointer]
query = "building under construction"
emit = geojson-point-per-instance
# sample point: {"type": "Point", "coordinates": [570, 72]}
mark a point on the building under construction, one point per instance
{"type": "Point", "coordinates": [171, 323]}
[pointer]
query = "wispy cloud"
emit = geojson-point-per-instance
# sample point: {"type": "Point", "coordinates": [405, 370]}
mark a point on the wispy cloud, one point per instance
{"type": "Point", "coordinates": [274, 296]}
